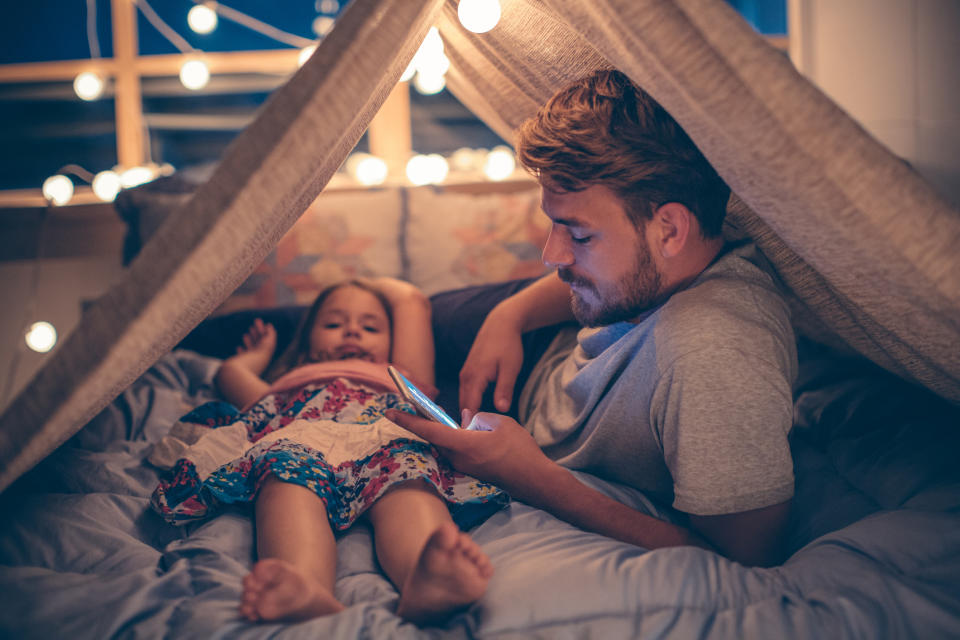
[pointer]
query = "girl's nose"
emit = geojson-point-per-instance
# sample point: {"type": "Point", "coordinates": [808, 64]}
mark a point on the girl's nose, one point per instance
{"type": "Point", "coordinates": [556, 250]}
{"type": "Point", "coordinates": [351, 330]}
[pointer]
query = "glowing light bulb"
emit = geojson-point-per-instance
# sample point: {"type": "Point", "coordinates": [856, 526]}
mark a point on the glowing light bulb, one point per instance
{"type": "Point", "coordinates": [463, 159]}
{"type": "Point", "coordinates": [329, 6]}
{"type": "Point", "coordinates": [371, 170]}
{"type": "Point", "coordinates": [106, 185]}
{"type": "Point", "coordinates": [427, 169]}
{"type": "Point", "coordinates": [500, 163]}
{"type": "Point", "coordinates": [194, 74]}
{"type": "Point", "coordinates": [322, 25]}
{"type": "Point", "coordinates": [41, 337]}
{"type": "Point", "coordinates": [135, 176]}
{"type": "Point", "coordinates": [409, 71]}
{"type": "Point", "coordinates": [202, 19]}
{"type": "Point", "coordinates": [88, 85]}
{"type": "Point", "coordinates": [429, 84]}
{"type": "Point", "coordinates": [58, 189]}
{"type": "Point", "coordinates": [305, 54]}
{"type": "Point", "coordinates": [479, 16]}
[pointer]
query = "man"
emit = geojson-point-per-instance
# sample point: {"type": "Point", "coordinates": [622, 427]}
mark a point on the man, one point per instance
{"type": "Point", "coordinates": [680, 386]}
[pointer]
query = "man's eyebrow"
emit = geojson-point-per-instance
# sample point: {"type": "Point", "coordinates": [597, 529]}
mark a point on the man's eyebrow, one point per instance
{"type": "Point", "coordinates": [571, 222]}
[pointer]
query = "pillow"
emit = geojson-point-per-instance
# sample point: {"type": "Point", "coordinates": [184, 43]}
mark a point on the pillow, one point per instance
{"type": "Point", "coordinates": [459, 239]}
{"type": "Point", "coordinates": [341, 235]}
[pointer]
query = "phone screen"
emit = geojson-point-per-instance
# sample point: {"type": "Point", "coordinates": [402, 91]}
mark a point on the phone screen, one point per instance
{"type": "Point", "coordinates": [417, 398]}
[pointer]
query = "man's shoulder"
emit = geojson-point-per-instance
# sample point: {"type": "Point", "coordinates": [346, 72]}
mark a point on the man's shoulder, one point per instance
{"type": "Point", "coordinates": [734, 304]}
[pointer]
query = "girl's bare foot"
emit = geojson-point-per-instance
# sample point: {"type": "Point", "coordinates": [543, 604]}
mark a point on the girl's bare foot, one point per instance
{"type": "Point", "coordinates": [276, 590]}
{"type": "Point", "coordinates": [451, 573]}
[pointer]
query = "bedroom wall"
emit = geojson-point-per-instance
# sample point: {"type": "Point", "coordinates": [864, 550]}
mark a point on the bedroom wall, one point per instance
{"type": "Point", "coordinates": [62, 287]}
{"type": "Point", "coordinates": [891, 64]}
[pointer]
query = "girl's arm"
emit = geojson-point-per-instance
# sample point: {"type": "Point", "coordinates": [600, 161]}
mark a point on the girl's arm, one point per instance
{"type": "Point", "coordinates": [412, 339]}
{"type": "Point", "coordinates": [238, 378]}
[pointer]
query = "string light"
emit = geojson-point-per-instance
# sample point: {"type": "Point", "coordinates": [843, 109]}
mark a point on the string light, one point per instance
{"type": "Point", "coordinates": [367, 169]}
{"type": "Point", "coordinates": [202, 19]}
{"type": "Point", "coordinates": [88, 85]}
{"type": "Point", "coordinates": [479, 16]}
{"type": "Point", "coordinates": [136, 176]}
{"type": "Point", "coordinates": [58, 189]}
{"type": "Point", "coordinates": [429, 85]}
{"type": "Point", "coordinates": [41, 337]}
{"type": "Point", "coordinates": [305, 54]}
{"type": "Point", "coordinates": [322, 25]}
{"type": "Point", "coordinates": [106, 185]}
{"type": "Point", "coordinates": [500, 163]}
{"type": "Point", "coordinates": [427, 169]}
{"type": "Point", "coordinates": [194, 74]}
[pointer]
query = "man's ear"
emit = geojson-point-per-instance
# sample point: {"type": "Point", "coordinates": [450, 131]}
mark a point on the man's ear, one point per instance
{"type": "Point", "coordinates": [673, 224]}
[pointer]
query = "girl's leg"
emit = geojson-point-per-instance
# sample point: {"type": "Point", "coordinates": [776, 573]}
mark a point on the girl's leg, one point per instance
{"type": "Point", "coordinates": [437, 568]}
{"type": "Point", "coordinates": [294, 576]}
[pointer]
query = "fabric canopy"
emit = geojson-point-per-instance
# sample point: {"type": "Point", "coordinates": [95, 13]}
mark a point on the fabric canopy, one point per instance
{"type": "Point", "coordinates": [864, 245]}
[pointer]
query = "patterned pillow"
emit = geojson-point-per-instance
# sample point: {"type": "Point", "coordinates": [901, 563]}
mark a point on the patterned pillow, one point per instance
{"type": "Point", "coordinates": [341, 235]}
{"type": "Point", "coordinates": [455, 239]}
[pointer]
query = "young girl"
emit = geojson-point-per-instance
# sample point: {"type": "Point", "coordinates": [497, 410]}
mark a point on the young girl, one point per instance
{"type": "Point", "coordinates": [314, 452]}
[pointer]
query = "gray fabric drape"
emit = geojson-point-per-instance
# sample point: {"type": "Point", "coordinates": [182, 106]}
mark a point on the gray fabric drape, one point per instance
{"type": "Point", "coordinates": [865, 246]}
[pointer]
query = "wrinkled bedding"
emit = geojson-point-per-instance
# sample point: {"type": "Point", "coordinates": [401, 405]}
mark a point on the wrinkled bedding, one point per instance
{"type": "Point", "coordinates": [874, 541]}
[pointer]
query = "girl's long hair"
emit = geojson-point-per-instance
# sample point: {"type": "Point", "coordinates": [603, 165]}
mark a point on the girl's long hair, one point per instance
{"type": "Point", "coordinates": [299, 348]}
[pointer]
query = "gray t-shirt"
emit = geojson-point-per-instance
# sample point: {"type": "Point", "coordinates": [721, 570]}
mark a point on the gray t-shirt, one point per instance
{"type": "Point", "coordinates": [691, 405]}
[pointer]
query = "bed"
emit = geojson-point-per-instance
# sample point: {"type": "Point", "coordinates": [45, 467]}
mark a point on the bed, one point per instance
{"type": "Point", "coordinates": [864, 246]}
{"type": "Point", "coordinates": [874, 542]}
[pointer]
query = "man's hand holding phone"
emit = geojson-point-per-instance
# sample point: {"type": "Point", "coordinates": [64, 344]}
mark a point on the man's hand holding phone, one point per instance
{"type": "Point", "coordinates": [424, 405]}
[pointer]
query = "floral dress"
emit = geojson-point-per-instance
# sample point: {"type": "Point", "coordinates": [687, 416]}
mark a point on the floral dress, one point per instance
{"type": "Point", "coordinates": [322, 427]}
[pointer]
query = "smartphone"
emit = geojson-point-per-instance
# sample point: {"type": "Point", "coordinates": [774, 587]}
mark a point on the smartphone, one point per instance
{"type": "Point", "coordinates": [424, 405]}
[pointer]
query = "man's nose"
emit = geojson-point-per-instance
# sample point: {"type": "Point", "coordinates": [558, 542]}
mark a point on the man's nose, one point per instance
{"type": "Point", "coordinates": [556, 250]}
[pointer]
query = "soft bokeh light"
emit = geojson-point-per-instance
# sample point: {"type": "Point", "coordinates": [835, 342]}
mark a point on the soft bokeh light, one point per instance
{"type": "Point", "coordinates": [479, 16]}
{"type": "Point", "coordinates": [500, 163]}
{"type": "Point", "coordinates": [427, 169]}
{"type": "Point", "coordinates": [329, 6]}
{"type": "Point", "coordinates": [136, 175]}
{"type": "Point", "coordinates": [106, 185]}
{"type": "Point", "coordinates": [305, 54]}
{"type": "Point", "coordinates": [41, 337]}
{"type": "Point", "coordinates": [58, 189]}
{"type": "Point", "coordinates": [322, 25]}
{"type": "Point", "coordinates": [194, 74]}
{"type": "Point", "coordinates": [367, 169]}
{"type": "Point", "coordinates": [202, 19]}
{"type": "Point", "coordinates": [88, 85]}
{"type": "Point", "coordinates": [428, 84]}
{"type": "Point", "coordinates": [463, 159]}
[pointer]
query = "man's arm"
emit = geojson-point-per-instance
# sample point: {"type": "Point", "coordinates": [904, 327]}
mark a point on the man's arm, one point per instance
{"type": "Point", "coordinates": [498, 450]}
{"type": "Point", "coordinates": [497, 351]}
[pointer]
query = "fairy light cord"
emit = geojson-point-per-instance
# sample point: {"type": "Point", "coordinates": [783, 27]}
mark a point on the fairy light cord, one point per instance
{"type": "Point", "coordinates": [92, 40]}
{"type": "Point", "coordinates": [260, 27]}
{"type": "Point", "coordinates": [165, 30]}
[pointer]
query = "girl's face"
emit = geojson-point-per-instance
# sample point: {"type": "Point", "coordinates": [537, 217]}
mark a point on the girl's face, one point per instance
{"type": "Point", "coordinates": [352, 323]}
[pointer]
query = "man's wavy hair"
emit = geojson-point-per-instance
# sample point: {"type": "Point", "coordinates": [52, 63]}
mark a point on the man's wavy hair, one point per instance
{"type": "Point", "coordinates": [605, 130]}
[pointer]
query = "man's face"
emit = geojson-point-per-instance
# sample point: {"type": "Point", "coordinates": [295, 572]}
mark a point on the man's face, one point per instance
{"type": "Point", "coordinates": [604, 258]}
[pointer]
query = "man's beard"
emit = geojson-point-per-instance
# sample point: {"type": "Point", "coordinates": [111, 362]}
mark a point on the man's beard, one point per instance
{"type": "Point", "coordinates": [636, 292]}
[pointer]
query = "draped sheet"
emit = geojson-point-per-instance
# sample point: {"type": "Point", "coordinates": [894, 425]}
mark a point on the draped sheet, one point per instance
{"type": "Point", "coordinates": [864, 245]}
